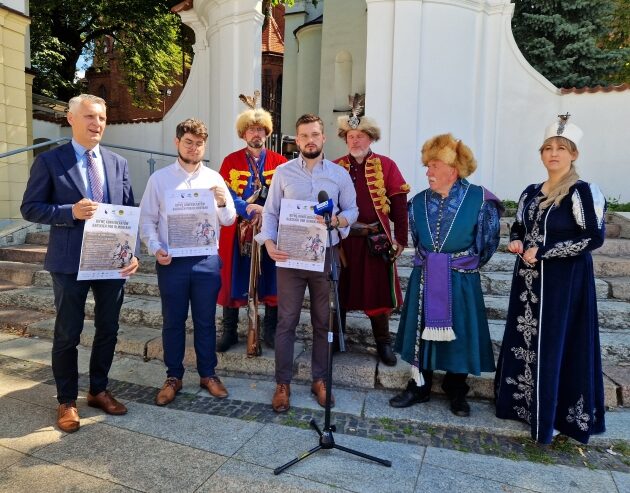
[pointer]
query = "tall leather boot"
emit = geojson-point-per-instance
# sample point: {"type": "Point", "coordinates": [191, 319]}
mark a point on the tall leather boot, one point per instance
{"type": "Point", "coordinates": [380, 329]}
{"type": "Point", "coordinates": [230, 326]}
{"type": "Point", "coordinates": [269, 326]}
{"type": "Point", "coordinates": [456, 388]}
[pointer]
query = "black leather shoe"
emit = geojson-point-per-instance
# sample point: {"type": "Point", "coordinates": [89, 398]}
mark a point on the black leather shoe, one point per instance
{"type": "Point", "coordinates": [411, 395]}
{"type": "Point", "coordinates": [386, 354]}
{"type": "Point", "coordinates": [460, 407]}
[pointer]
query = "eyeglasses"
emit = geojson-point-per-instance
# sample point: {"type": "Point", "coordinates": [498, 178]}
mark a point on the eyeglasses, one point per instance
{"type": "Point", "coordinates": [189, 144]}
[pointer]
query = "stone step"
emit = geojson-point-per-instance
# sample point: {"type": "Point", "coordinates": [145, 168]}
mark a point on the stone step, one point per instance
{"type": "Point", "coordinates": [350, 369]}
{"type": "Point", "coordinates": [614, 343]}
{"type": "Point", "coordinates": [613, 231]}
{"type": "Point", "coordinates": [492, 283]}
{"type": "Point", "coordinates": [37, 238]}
{"type": "Point", "coordinates": [611, 266]}
{"type": "Point", "coordinates": [145, 310]}
{"type": "Point", "coordinates": [622, 220]}
{"type": "Point", "coordinates": [20, 273]}
{"type": "Point", "coordinates": [33, 254]}
{"type": "Point", "coordinates": [7, 285]}
{"type": "Point", "coordinates": [619, 287]}
{"type": "Point", "coordinates": [613, 314]}
{"type": "Point", "coordinates": [604, 265]}
{"type": "Point", "coordinates": [619, 247]}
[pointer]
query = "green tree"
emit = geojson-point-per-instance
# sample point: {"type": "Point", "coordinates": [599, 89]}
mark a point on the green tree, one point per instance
{"type": "Point", "coordinates": [619, 38]}
{"type": "Point", "coordinates": [146, 34]}
{"type": "Point", "coordinates": [562, 40]}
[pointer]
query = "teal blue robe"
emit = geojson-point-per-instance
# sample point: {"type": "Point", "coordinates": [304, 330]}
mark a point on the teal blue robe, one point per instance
{"type": "Point", "coordinates": [470, 215]}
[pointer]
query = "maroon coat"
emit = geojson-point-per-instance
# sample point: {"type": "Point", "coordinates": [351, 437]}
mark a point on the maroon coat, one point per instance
{"type": "Point", "coordinates": [368, 282]}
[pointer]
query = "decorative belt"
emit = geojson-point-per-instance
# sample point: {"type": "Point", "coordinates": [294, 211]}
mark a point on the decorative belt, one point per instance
{"type": "Point", "coordinates": [438, 302]}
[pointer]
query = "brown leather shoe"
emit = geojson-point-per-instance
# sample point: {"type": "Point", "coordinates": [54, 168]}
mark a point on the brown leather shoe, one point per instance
{"type": "Point", "coordinates": [68, 417]}
{"type": "Point", "coordinates": [105, 401]}
{"type": "Point", "coordinates": [214, 386]}
{"type": "Point", "coordinates": [280, 401]}
{"type": "Point", "coordinates": [319, 390]}
{"type": "Point", "coordinates": [167, 393]}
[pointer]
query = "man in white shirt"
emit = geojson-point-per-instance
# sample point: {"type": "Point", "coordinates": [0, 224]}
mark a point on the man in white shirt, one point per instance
{"type": "Point", "coordinates": [185, 281]}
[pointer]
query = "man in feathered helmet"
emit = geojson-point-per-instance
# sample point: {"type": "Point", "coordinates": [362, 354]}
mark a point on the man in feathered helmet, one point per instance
{"type": "Point", "coordinates": [247, 173]}
{"type": "Point", "coordinates": [369, 280]}
{"type": "Point", "coordinates": [455, 230]}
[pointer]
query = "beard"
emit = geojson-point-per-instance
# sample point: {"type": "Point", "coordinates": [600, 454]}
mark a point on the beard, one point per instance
{"type": "Point", "coordinates": [186, 160]}
{"type": "Point", "coordinates": [359, 156]}
{"type": "Point", "coordinates": [311, 154]}
{"type": "Point", "coordinates": [256, 143]}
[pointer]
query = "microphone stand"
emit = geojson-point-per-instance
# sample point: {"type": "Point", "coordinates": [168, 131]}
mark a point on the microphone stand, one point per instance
{"type": "Point", "coordinates": [326, 437]}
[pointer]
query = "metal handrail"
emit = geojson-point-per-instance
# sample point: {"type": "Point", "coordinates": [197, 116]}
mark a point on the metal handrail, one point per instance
{"type": "Point", "coordinates": [150, 161]}
{"type": "Point", "coordinates": [34, 146]}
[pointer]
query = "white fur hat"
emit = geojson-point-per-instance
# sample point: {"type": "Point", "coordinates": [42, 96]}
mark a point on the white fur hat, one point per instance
{"type": "Point", "coordinates": [562, 128]}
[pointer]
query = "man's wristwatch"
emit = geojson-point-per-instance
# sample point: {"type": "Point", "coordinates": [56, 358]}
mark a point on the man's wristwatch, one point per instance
{"type": "Point", "coordinates": [222, 205]}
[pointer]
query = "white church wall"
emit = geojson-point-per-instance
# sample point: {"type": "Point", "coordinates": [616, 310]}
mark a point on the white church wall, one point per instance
{"type": "Point", "coordinates": [294, 17]}
{"type": "Point", "coordinates": [344, 33]}
{"type": "Point", "coordinates": [309, 40]}
{"type": "Point", "coordinates": [605, 148]}
{"type": "Point", "coordinates": [48, 130]}
{"type": "Point", "coordinates": [436, 66]}
{"type": "Point", "coordinates": [145, 136]}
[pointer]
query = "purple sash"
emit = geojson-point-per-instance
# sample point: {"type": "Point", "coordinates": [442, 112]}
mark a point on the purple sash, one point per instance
{"type": "Point", "coordinates": [438, 301]}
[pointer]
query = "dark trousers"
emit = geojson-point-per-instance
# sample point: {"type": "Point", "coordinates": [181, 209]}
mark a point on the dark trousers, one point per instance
{"type": "Point", "coordinates": [453, 385]}
{"type": "Point", "coordinates": [292, 284]}
{"type": "Point", "coordinates": [194, 282]}
{"type": "Point", "coordinates": [70, 297]}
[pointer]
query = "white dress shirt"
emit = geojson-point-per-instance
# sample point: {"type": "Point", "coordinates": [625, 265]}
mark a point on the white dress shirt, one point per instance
{"type": "Point", "coordinates": [153, 222]}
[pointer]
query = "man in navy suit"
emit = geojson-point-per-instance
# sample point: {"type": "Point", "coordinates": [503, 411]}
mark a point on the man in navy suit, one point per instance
{"type": "Point", "coordinates": [63, 190]}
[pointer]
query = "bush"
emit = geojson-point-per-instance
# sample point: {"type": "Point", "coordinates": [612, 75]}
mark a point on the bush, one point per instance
{"type": "Point", "coordinates": [615, 206]}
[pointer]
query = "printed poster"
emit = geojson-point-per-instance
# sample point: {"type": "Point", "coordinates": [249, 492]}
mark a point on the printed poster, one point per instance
{"type": "Point", "coordinates": [191, 220]}
{"type": "Point", "coordinates": [301, 236]}
{"type": "Point", "coordinates": [109, 241]}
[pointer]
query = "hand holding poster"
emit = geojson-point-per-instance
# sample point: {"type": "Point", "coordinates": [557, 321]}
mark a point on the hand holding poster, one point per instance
{"type": "Point", "coordinates": [191, 223]}
{"type": "Point", "coordinates": [301, 236]}
{"type": "Point", "coordinates": [109, 240]}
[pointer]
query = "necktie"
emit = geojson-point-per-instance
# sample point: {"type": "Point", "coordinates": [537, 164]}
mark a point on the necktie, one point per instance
{"type": "Point", "coordinates": [95, 179]}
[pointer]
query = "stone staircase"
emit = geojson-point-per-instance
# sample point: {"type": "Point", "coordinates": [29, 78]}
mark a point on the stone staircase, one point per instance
{"type": "Point", "coordinates": [26, 305]}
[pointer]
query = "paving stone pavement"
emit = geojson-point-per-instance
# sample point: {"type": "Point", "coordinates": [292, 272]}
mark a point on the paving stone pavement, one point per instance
{"type": "Point", "coordinates": [201, 444]}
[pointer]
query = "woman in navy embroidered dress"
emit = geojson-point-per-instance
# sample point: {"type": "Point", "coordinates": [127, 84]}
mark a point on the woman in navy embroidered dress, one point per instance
{"type": "Point", "coordinates": [549, 371]}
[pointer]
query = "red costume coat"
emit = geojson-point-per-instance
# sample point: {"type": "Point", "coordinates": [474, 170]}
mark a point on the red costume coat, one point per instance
{"type": "Point", "coordinates": [368, 282]}
{"type": "Point", "coordinates": [236, 173]}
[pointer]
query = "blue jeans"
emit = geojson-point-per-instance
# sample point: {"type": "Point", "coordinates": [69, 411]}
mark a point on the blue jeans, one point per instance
{"type": "Point", "coordinates": [194, 282]}
{"type": "Point", "coordinates": [70, 296]}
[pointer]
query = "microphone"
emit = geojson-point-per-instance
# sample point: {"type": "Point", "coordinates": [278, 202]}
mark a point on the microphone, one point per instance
{"type": "Point", "coordinates": [325, 206]}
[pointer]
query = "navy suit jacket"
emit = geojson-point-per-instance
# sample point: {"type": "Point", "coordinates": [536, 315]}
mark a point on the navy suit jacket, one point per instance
{"type": "Point", "coordinates": [54, 186]}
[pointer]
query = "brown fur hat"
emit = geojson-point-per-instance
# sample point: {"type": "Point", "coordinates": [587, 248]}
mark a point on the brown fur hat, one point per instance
{"type": "Point", "coordinates": [252, 117]}
{"type": "Point", "coordinates": [366, 125]}
{"type": "Point", "coordinates": [450, 151]}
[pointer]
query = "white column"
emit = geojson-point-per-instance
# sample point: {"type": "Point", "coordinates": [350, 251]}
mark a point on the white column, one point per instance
{"type": "Point", "coordinates": [227, 62]}
{"type": "Point", "coordinates": [392, 79]}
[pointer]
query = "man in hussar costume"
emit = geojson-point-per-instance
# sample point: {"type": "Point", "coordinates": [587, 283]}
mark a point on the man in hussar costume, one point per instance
{"type": "Point", "coordinates": [369, 280]}
{"type": "Point", "coordinates": [247, 173]}
{"type": "Point", "coordinates": [443, 324]}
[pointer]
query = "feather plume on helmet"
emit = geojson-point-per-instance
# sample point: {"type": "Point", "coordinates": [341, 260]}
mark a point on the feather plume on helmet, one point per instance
{"type": "Point", "coordinates": [450, 151]}
{"type": "Point", "coordinates": [254, 115]}
{"type": "Point", "coordinates": [356, 121]}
